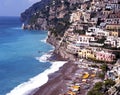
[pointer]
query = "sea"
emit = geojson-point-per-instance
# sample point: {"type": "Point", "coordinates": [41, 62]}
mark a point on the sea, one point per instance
{"type": "Point", "coordinates": [24, 64]}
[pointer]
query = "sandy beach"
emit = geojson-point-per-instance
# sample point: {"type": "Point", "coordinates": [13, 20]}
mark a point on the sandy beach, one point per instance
{"type": "Point", "coordinates": [69, 74]}
{"type": "Point", "coordinates": [56, 84]}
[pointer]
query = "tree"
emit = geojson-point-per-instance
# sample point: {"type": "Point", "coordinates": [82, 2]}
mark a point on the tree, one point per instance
{"type": "Point", "coordinates": [96, 90]}
{"type": "Point", "coordinates": [101, 75]}
{"type": "Point", "coordinates": [80, 32]}
{"type": "Point", "coordinates": [108, 83]}
{"type": "Point", "coordinates": [104, 67]}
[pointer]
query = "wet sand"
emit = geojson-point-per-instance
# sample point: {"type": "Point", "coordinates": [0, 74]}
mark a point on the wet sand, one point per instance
{"type": "Point", "coordinates": [70, 73]}
{"type": "Point", "coordinates": [57, 81]}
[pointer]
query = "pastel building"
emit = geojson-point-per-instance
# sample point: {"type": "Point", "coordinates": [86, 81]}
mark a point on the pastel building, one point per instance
{"type": "Point", "coordinates": [105, 56]}
{"type": "Point", "coordinates": [86, 53]}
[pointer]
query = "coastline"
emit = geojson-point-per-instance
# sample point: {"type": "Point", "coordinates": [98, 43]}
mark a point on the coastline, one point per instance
{"type": "Point", "coordinates": [71, 73]}
{"type": "Point", "coordinates": [77, 32]}
{"type": "Point", "coordinates": [57, 80]}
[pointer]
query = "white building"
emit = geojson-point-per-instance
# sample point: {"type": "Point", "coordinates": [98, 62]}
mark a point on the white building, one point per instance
{"type": "Point", "coordinates": [113, 41]}
{"type": "Point", "coordinates": [112, 21]}
{"type": "Point", "coordinates": [71, 48]}
{"type": "Point", "coordinates": [75, 16]}
{"type": "Point", "coordinates": [84, 40]}
{"type": "Point", "coordinates": [97, 32]}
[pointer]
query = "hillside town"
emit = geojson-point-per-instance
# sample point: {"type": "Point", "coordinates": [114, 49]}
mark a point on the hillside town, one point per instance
{"type": "Point", "coordinates": [94, 34]}
{"type": "Point", "coordinates": [86, 33]}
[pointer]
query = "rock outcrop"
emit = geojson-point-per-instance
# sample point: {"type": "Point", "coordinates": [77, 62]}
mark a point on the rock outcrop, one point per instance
{"type": "Point", "coordinates": [60, 46]}
{"type": "Point", "coordinates": [50, 14]}
{"type": "Point", "coordinates": [55, 16]}
{"type": "Point", "coordinates": [64, 20]}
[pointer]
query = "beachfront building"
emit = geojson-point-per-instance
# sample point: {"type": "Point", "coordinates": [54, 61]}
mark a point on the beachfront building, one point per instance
{"type": "Point", "coordinates": [96, 55]}
{"type": "Point", "coordinates": [91, 55]}
{"type": "Point", "coordinates": [86, 53]}
{"type": "Point", "coordinates": [105, 56]}
{"type": "Point", "coordinates": [106, 12]}
{"type": "Point", "coordinates": [83, 53]}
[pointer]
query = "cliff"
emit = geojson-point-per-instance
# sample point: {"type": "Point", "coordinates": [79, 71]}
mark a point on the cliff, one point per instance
{"type": "Point", "coordinates": [69, 24]}
{"type": "Point", "coordinates": [60, 46]}
{"type": "Point", "coordinates": [54, 16]}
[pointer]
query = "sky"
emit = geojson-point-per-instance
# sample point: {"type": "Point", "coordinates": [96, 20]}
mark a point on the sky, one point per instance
{"type": "Point", "coordinates": [14, 7]}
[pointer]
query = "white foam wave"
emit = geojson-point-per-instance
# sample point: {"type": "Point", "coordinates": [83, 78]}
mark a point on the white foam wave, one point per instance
{"type": "Point", "coordinates": [17, 28]}
{"type": "Point", "coordinates": [44, 40]}
{"type": "Point", "coordinates": [27, 87]}
{"type": "Point", "coordinates": [44, 58]}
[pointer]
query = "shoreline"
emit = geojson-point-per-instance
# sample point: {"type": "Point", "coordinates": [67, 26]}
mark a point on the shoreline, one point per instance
{"type": "Point", "coordinates": [57, 80]}
{"type": "Point", "coordinates": [69, 74]}
{"type": "Point", "coordinates": [31, 86]}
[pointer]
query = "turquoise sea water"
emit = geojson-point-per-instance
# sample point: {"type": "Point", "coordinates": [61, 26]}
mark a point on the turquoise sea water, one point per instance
{"type": "Point", "coordinates": [18, 52]}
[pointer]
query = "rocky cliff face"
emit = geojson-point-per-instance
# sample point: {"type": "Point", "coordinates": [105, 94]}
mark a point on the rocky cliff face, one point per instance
{"type": "Point", "coordinates": [55, 16]}
{"type": "Point", "coordinates": [50, 15]}
{"type": "Point", "coordinates": [60, 47]}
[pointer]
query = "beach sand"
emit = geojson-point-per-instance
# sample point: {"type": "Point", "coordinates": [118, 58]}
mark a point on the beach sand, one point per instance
{"type": "Point", "coordinates": [57, 81]}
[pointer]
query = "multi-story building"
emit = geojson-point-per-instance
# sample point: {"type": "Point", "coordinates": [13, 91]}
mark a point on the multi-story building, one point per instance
{"type": "Point", "coordinates": [97, 32]}
{"type": "Point", "coordinates": [86, 53]}
{"type": "Point", "coordinates": [71, 48]}
{"type": "Point", "coordinates": [113, 41]}
{"type": "Point", "coordinates": [96, 55]}
{"type": "Point", "coordinates": [105, 56]}
{"type": "Point", "coordinates": [75, 16]}
{"type": "Point", "coordinates": [114, 29]}
{"type": "Point", "coordinates": [84, 40]}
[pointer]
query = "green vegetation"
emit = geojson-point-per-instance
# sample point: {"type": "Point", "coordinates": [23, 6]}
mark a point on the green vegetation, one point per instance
{"type": "Point", "coordinates": [94, 66]}
{"type": "Point", "coordinates": [80, 32]}
{"type": "Point", "coordinates": [108, 83]}
{"type": "Point", "coordinates": [104, 67]}
{"type": "Point", "coordinates": [107, 46]}
{"type": "Point", "coordinates": [101, 88]}
{"type": "Point", "coordinates": [96, 90]}
{"type": "Point", "coordinates": [101, 75]}
{"type": "Point", "coordinates": [102, 40]}
{"type": "Point", "coordinates": [60, 25]}
{"type": "Point", "coordinates": [33, 18]}
{"type": "Point", "coordinates": [117, 54]}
